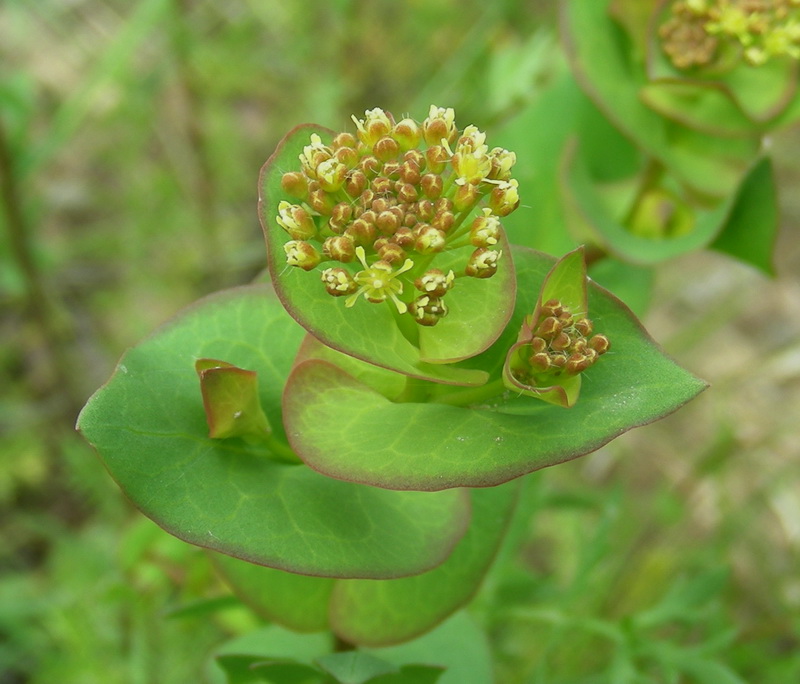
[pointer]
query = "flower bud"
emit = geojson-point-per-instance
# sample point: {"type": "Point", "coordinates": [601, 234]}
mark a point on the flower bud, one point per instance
{"type": "Point", "coordinates": [338, 282]}
{"type": "Point", "coordinates": [387, 222]}
{"type": "Point", "coordinates": [295, 184]}
{"type": "Point", "coordinates": [485, 230]}
{"type": "Point", "coordinates": [435, 283]}
{"type": "Point", "coordinates": [483, 263]}
{"type": "Point", "coordinates": [381, 185]}
{"type": "Point", "coordinates": [347, 156]}
{"type": "Point", "coordinates": [404, 237]}
{"type": "Point", "coordinates": [501, 163]}
{"type": "Point", "coordinates": [599, 343]}
{"type": "Point", "coordinates": [443, 220]}
{"type": "Point", "coordinates": [321, 202]}
{"type": "Point", "coordinates": [391, 252]}
{"type": "Point", "coordinates": [465, 197]}
{"type": "Point", "coordinates": [296, 221]}
{"type": "Point", "coordinates": [339, 248]}
{"type": "Point", "coordinates": [340, 216]}
{"type": "Point", "coordinates": [355, 183]}
{"type": "Point", "coordinates": [313, 155]}
{"type": "Point", "coordinates": [439, 125]}
{"type": "Point", "coordinates": [414, 156]}
{"type": "Point", "coordinates": [361, 232]}
{"type": "Point", "coordinates": [504, 198]}
{"type": "Point", "coordinates": [386, 149]}
{"type": "Point", "coordinates": [436, 159]}
{"type": "Point", "coordinates": [374, 126]}
{"type": "Point", "coordinates": [431, 185]}
{"type": "Point", "coordinates": [549, 328]}
{"type": "Point", "coordinates": [539, 362]}
{"type": "Point", "coordinates": [370, 166]}
{"type": "Point", "coordinates": [409, 173]}
{"type": "Point", "coordinates": [427, 310]}
{"type": "Point", "coordinates": [429, 240]}
{"type": "Point", "coordinates": [407, 133]}
{"type": "Point", "coordinates": [301, 254]}
{"type": "Point", "coordinates": [331, 175]}
{"type": "Point", "coordinates": [406, 192]}
{"type": "Point", "coordinates": [344, 140]}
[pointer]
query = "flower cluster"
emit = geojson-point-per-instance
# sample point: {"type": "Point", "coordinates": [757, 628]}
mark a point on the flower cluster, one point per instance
{"type": "Point", "coordinates": [375, 209]}
{"type": "Point", "coordinates": [698, 31]}
{"type": "Point", "coordinates": [557, 343]}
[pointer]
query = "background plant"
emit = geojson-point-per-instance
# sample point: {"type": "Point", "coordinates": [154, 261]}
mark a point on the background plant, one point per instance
{"type": "Point", "coordinates": [110, 183]}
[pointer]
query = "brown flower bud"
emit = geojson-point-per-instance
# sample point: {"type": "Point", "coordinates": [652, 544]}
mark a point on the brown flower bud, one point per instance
{"type": "Point", "coordinates": [427, 310]}
{"type": "Point", "coordinates": [344, 139]}
{"type": "Point", "coordinates": [404, 237]}
{"type": "Point", "coordinates": [437, 159]}
{"type": "Point", "coordinates": [407, 133]}
{"type": "Point", "coordinates": [392, 253]}
{"type": "Point", "coordinates": [482, 263]}
{"type": "Point", "coordinates": [539, 362]}
{"type": "Point", "coordinates": [431, 185]}
{"type": "Point", "coordinates": [386, 148]}
{"type": "Point", "coordinates": [301, 254]}
{"type": "Point", "coordinates": [381, 185]}
{"type": "Point", "coordinates": [355, 183]}
{"type": "Point", "coordinates": [295, 184]}
{"type": "Point", "coordinates": [340, 248]}
{"type": "Point", "coordinates": [338, 282]}
{"type": "Point", "coordinates": [361, 232]}
{"type": "Point", "coordinates": [465, 197]}
{"type": "Point", "coordinates": [443, 221]}
{"type": "Point", "coordinates": [434, 282]}
{"type": "Point", "coordinates": [387, 222]}
{"type": "Point", "coordinates": [340, 216]}
{"type": "Point", "coordinates": [599, 343]}
{"type": "Point", "coordinates": [321, 202]}
{"type": "Point", "coordinates": [549, 328]}
{"type": "Point", "coordinates": [429, 239]}
{"type": "Point", "coordinates": [406, 192]}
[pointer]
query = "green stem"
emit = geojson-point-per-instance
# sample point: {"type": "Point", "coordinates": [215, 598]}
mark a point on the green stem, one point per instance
{"type": "Point", "coordinates": [281, 451]}
{"type": "Point", "coordinates": [651, 176]}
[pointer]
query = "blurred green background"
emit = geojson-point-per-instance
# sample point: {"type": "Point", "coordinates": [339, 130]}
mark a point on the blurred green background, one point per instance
{"type": "Point", "coordinates": [131, 136]}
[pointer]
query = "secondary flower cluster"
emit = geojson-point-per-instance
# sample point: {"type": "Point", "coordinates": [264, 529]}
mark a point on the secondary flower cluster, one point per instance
{"type": "Point", "coordinates": [376, 208]}
{"type": "Point", "coordinates": [559, 343]}
{"type": "Point", "coordinates": [699, 31]}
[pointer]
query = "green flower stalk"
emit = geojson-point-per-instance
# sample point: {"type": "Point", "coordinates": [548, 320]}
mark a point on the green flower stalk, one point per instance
{"type": "Point", "coordinates": [373, 211]}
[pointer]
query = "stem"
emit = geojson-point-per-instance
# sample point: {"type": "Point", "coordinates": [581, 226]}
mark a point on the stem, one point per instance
{"type": "Point", "coordinates": [653, 171]}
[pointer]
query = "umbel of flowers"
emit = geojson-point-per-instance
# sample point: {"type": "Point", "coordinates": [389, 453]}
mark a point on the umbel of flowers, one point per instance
{"type": "Point", "coordinates": [372, 211]}
{"type": "Point", "coordinates": [701, 33]}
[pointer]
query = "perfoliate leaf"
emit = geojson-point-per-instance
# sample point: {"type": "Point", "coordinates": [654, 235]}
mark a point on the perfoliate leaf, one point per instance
{"type": "Point", "coordinates": [149, 427]}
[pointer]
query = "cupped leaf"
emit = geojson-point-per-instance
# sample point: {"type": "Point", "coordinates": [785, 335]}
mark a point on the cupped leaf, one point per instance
{"type": "Point", "coordinates": [230, 398]}
{"type": "Point", "coordinates": [608, 71]}
{"type": "Point", "coordinates": [566, 285]}
{"type": "Point", "coordinates": [347, 430]}
{"type": "Point", "coordinates": [392, 611]}
{"type": "Point", "coordinates": [368, 331]}
{"type": "Point", "coordinates": [586, 198]}
{"type": "Point", "coordinates": [148, 425]}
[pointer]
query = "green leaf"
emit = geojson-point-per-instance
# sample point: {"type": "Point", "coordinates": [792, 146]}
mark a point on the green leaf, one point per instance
{"type": "Point", "coordinates": [412, 674]}
{"type": "Point", "coordinates": [605, 66]}
{"type": "Point", "coordinates": [379, 613]}
{"type": "Point", "coordinates": [230, 398]}
{"type": "Point", "coordinates": [271, 643]}
{"type": "Point", "coordinates": [370, 332]}
{"type": "Point", "coordinates": [458, 645]}
{"type": "Point", "coordinates": [749, 233]}
{"type": "Point", "coordinates": [355, 667]}
{"type": "Point", "coordinates": [297, 602]}
{"type": "Point", "coordinates": [587, 198]}
{"type": "Point", "coordinates": [347, 430]}
{"type": "Point", "coordinates": [245, 669]}
{"type": "Point", "coordinates": [148, 425]}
